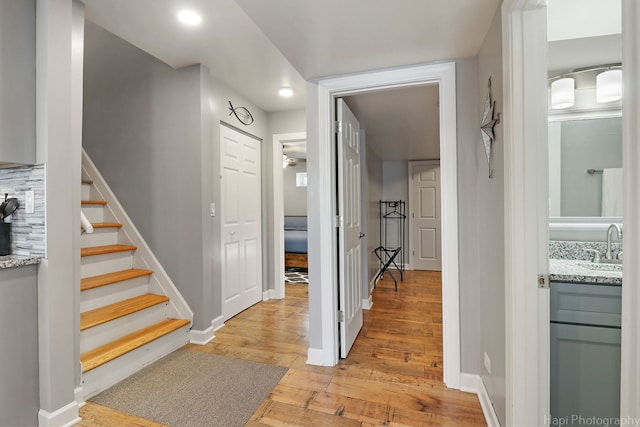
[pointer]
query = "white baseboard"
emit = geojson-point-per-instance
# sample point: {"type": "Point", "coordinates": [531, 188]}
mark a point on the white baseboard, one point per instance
{"type": "Point", "coordinates": [66, 416]}
{"type": "Point", "coordinates": [315, 356]}
{"type": "Point", "coordinates": [201, 337]}
{"type": "Point", "coordinates": [79, 395]}
{"type": "Point", "coordinates": [205, 337]}
{"type": "Point", "coordinates": [367, 303]}
{"type": "Point", "coordinates": [472, 383]}
{"type": "Point", "coordinates": [217, 323]}
{"type": "Point", "coordinates": [374, 281]}
{"type": "Point", "coordinates": [272, 294]}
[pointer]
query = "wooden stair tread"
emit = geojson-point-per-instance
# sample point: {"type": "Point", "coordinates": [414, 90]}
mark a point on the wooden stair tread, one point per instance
{"type": "Point", "coordinates": [106, 225]}
{"type": "Point", "coordinates": [109, 278]}
{"type": "Point", "coordinates": [107, 249]}
{"type": "Point", "coordinates": [101, 315]}
{"type": "Point", "coordinates": [101, 355]}
{"type": "Point", "coordinates": [94, 202]}
{"type": "Point", "coordinates": [87, 181]}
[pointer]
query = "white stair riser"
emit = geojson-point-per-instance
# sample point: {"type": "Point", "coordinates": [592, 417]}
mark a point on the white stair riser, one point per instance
{"type": "Point", "coordinates": [100, 237]}
{"type": "Point", "coordinates": [85, 192]}
{"type": "Point", "coordinates": [107, 332]}
{"type": "Point", "coordinates": [94, 213]}
{"type": "Point", "coordinates": [103, 264]}
{"type": "Point", "coordinates": [103, 377]}
{"type": "Point", "coordinates": [109, 294]}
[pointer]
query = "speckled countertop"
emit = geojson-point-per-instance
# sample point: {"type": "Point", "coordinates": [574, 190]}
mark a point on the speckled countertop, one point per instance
{"type": "Point", "coordinates": [9, 261]}
{"type": "Point", "coordinates": [581, 271]}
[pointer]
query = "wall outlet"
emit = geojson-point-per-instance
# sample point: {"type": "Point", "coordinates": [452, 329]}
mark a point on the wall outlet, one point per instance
{"type": "Point", "coordinates": [487, 362]}
{"type": "Point", "coordinates": [29, 202]}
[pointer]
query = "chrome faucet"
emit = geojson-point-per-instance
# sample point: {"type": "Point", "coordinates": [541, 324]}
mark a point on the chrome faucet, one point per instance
{"type": "Point", "coordinates": [612, 227]}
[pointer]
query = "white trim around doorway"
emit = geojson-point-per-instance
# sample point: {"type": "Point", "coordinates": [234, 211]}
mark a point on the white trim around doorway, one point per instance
{"type": "Point", "coordinates": [322, 241]}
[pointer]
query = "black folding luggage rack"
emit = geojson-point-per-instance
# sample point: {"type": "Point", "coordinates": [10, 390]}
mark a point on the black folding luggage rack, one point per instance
{"type": "Point", "coordinates": [392, 223]}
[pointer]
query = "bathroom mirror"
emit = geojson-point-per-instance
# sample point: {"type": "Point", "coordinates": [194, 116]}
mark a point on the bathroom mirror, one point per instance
{"type": "Point", "coordinates": [585, 166]}
{"type": "Point", "coordinates": [585, 174]}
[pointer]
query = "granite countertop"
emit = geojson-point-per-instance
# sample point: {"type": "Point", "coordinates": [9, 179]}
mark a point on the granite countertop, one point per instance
{"type": "Point", "coordinates": [578, 271]}
{"type": "Point", "coordinates": [9, 261]}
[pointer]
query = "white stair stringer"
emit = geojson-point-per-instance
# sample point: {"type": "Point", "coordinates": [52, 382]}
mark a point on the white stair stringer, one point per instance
{"type": "Point", "coordinates": [158, 282]}
{"type": "Point", "coordinates": [103, 377]}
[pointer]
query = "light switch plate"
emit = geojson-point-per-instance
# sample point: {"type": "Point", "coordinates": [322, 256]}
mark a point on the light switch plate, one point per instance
{"type": "Point", "coordinates": [29, 202]}
{"type": "Point", "coordinates": [212, 209]}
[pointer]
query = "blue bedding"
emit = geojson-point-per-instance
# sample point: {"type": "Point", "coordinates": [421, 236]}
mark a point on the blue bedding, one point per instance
{"type": "Point", "coordinates": [295, 234]}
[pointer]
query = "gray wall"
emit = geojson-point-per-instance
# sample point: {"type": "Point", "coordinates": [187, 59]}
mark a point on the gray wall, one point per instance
{"type": "Point", "coordinates": [295, 198]}
{"type": "Point", "coordinates": [490, 217]}
{"type": "Point", "coordinates": [587, 144]}
{"type": "Point", "coordinates": [395, 178]}
{"type": "Point", "coordinates": [153, 132]}
{"type": "Point", "coordinates": [375, 184]}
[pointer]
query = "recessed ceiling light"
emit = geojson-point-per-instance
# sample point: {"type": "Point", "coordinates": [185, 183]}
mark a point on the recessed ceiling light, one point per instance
{"type": "Point", "coordinates": [189, 17]}
{"type": "Point", "coordinates": [285, 92]}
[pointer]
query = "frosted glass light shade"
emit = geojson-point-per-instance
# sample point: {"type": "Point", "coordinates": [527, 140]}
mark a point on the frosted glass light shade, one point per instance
{"type": "Point", "coordinates": [609, 86]}
{"type": "Point", "coordinates": [563, 93]}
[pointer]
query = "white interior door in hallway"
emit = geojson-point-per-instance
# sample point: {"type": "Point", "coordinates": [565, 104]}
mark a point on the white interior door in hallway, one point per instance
{"type": "Point", "coordinates": [350, 230]}
{"type": "Point", "coordinates": [424, 215]}
{"type": "Point", "coordinates": [240, 221]}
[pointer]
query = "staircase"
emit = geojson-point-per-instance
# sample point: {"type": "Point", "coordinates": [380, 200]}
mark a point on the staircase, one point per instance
{"type": "Point", "coordinates": [131, 314]}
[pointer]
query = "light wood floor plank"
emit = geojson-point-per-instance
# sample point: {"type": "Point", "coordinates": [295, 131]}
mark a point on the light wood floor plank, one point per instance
{"type": "Point", "coordinates": [392, 376]}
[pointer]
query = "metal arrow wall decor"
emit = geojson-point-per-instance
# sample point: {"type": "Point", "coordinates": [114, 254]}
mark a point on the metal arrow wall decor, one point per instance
{"type": "Point", "coordinates": [489, 120]}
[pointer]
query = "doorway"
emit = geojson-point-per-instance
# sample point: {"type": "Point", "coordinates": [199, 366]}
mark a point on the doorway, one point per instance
{"type": "Point", "coordinates": [322, 207]}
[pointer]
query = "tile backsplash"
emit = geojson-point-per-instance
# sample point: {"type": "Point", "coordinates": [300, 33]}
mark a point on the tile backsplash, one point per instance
{"type": "Point", "coordinates": [28, 235]}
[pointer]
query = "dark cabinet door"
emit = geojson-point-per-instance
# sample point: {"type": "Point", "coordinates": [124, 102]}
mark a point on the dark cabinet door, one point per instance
{"type": "Point", "coordinates": [585, 373]}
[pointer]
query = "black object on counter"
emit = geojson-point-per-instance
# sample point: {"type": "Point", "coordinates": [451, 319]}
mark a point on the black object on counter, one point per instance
{"type": "Point", "coordinates": [5, 238]}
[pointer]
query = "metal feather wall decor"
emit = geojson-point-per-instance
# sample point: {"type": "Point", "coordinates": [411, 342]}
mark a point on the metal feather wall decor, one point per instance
{"type": "Point", "coordinates": [489, 120]}
{"type": "Point", "coordinates": [241, 113]}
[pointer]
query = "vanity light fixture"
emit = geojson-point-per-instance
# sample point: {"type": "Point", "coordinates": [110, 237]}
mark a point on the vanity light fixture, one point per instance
{"type": "Point", "coordinates": [609, 86]}
{"type": "Point", "coordinates": [189, 17]}
{"type": "Point", "coordinates": [563, 92]}
{"type": "Point", "coordinates": [285, 92]}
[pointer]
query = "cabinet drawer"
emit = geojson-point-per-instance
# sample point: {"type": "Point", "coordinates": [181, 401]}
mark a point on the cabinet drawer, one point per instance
{"type": "Point", "coordinates": [586, 304]}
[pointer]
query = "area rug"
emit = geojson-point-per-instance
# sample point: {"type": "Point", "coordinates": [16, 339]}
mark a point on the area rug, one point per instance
{"type": "Point", "coordinates": [296, 275]}
{"type": "Point", "coordinates": [194, 389]}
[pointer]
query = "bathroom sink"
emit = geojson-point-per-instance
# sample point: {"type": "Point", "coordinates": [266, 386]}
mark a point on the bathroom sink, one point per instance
{"type": "Point", "coordinates": [602, 265]}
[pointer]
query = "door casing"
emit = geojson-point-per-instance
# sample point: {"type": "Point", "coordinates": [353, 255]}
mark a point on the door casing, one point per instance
{"type": "Point", "coordinates": [323, 271]}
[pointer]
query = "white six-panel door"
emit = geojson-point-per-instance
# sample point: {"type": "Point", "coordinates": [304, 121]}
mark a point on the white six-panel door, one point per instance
{"type": "Point", "coordinates": [240, 210]}
{"type": "Point", "coordinates": [426, 234]}
{"type": "Point", "coordinates": [350, 233]}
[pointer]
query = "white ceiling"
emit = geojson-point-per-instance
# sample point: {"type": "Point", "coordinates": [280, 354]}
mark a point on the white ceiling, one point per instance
{"type": "Point", "coordinates": [227, 42]}
{"type": "Point", "coordinates": [400, 124]}
{"type": "Point", "coordinates": [256, 46]}
{"type": "Point", "coordinates": [331, 37]}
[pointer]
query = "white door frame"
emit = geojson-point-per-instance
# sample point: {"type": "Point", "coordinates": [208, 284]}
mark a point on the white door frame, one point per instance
{"type": "Point", "coordinates": [525, 88]}
{"type": "Point", "coordinates": [322, 241]}
{"type": "Point", "coordinates": [276, 288]}
{"type": "Point", "coordinates": [410, 202]}
{"type": "Point", "coordinates": [630, 366]}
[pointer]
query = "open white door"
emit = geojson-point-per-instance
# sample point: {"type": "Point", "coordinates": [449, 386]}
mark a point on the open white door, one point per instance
{"type": "Point", "coordinates": [241, 208]}
{"type": "Point", "coordinates": [424, 217]}
{"type": "Point", "coordinates": [350, 230]}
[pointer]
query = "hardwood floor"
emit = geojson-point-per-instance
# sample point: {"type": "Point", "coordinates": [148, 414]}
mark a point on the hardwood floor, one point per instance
{"type": "Point", "coordinates": [392, 377]}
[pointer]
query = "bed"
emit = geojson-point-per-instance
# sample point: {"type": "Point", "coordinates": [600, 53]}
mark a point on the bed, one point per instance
{"type": "Point", "coordinates": [295, 241]}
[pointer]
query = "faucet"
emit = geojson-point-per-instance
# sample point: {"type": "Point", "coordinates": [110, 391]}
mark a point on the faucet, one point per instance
{"type": "Point", "coordinates": [612, 227]}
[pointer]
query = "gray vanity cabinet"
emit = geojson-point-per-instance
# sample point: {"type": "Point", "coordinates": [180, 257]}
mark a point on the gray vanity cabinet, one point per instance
{"type": "Point", "coordinates": [17, 82]}
{"type": "Point", "coordinates": [585, 352]}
